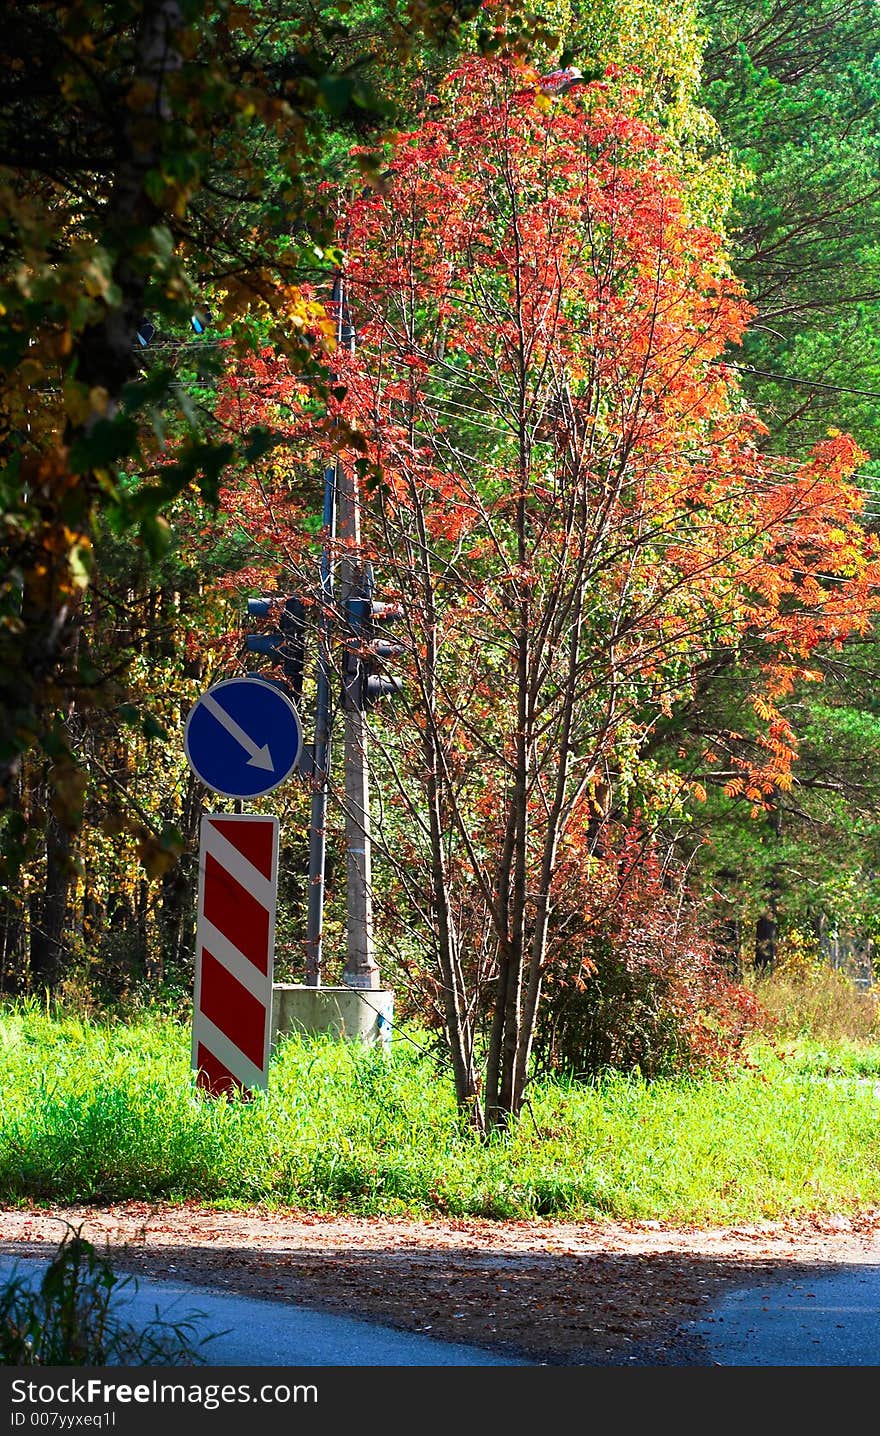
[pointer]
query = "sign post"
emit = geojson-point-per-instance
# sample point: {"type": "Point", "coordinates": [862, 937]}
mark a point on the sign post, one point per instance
{"type": "Point", "coordinates": [243, 738]}
{"type": "Point", "coordinates": [235, 949]}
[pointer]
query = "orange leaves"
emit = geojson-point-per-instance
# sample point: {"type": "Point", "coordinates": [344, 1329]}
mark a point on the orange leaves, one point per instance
{"type": "Point", "coordinates": [559, 475]}
{"type": "Point", "coordinates": [836, 458]}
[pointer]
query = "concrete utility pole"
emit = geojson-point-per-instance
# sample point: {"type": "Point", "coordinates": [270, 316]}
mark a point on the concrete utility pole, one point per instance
{"type": "Point", "coordinates": [321, 749]}
{"type": "Point", "coordinates": [361, 970]}
{"type": "Point", "coordinates": [343, 528]}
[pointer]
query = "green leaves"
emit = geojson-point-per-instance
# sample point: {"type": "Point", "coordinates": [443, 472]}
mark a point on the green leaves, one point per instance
{"type": "Point", "coordinates": [102, 446]}
{"type": "Point", "coordinates": [801, 114]}
{"type": "Point", "coordinates": [154, 532]}
{"type": "Point", "coordinates": [145, 723]}
{"type": "Point", "coordinates": [201, 464]}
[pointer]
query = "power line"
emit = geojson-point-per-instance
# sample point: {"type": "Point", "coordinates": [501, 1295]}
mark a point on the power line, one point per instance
{"type": "Point", "coordinates": [798, 379]}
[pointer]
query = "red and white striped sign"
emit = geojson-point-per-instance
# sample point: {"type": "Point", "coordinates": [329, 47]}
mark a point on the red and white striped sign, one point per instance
{"type": "Point", "coordinates": [235, 951]}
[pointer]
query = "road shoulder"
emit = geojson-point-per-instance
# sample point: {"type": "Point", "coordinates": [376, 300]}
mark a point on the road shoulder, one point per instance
{"type": "Point", "coordinates": [560, 1293]}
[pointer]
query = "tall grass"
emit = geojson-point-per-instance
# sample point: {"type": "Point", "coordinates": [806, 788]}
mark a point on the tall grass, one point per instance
{"type": "Point", "coordinates": [804, 997]}
{"type": "Point", "coordinates": [96, 1112]}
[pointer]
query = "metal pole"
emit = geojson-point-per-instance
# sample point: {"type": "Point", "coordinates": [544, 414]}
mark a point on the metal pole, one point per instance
{"type": "Point", "coordinates": [360, 968]}
{"type": "Point", "coordinates": [321, 773]}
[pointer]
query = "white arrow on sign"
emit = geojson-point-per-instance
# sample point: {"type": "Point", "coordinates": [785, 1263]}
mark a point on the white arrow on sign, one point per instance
{"type": "Point", "coordinates": [259, 757]}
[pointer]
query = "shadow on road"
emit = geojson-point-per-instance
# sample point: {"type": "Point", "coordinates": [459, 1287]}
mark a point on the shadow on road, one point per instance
{"type": "Point", "coordinates": [594, 1308]}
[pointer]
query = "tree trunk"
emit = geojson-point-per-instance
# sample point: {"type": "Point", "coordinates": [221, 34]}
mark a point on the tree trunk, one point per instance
{"type": "Point", "coordinates": [49, 909]}
{"type": "Point", "coordinates": [728, 925]}
{"type": "Point", "coordinates": [12, 947]}
{"type": "Point", "coordinates": [767, 929]}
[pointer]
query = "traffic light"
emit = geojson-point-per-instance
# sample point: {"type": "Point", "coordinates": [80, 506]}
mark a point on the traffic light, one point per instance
{"type": "Point", "coordinates": [364, 679]}
{"type": "Point", "coordinates": [284, 644]}
{"type": "Point", "coordinates": [199, 322]}
{"type": "Point", "coordinates": [376, 683]}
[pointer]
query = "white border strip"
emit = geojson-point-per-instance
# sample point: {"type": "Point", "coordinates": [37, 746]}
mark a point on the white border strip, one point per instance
{"type": "Point", "coordinates": [228, 956]}
{"type": "Point", "coordinates": [219, 1045]}
{"type": "Point", "coordinates": [237, 865]}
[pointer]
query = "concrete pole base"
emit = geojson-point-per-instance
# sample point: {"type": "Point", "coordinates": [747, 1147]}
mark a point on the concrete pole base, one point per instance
{"type": "Point", "coordinates": [345, 1012]}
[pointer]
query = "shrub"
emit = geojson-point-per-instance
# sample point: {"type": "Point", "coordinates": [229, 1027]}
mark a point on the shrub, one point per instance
{"type": "Point", "coordinates": [638, 990]}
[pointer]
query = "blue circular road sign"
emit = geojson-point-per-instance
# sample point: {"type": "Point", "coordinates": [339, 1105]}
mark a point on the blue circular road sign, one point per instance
{"type": "Point", "coordinates": [243, 737]}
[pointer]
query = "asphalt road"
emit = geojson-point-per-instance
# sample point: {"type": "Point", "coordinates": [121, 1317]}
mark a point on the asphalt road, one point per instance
{"type": "Point", "coordinates": [830, 1319]}
{"type": "Point", "coordinates": [249, 1332]}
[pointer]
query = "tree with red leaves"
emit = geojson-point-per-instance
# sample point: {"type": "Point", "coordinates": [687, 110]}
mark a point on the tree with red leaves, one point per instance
{"type": "Point", "coordinates": [562, 489]}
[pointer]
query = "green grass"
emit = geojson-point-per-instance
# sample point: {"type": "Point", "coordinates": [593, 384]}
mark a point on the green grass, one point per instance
{"type": "Point", "coordinates": [842, 1058]}
{"type": "Point", "coordinates": [94, 1112]}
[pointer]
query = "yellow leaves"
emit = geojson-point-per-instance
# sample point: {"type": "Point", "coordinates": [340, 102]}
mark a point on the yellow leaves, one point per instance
{"type": "Point", "coordinates": [95, 273]}
{"type": "Point", "coordinates": [99, 399]}
{"type": "Point", "coordinates": [48, 473]}
{"type": "Point", "coordinates": [76, 402]}
{"type": "Point", "coordinates": [157, 856]}
{"type": "Point", "coordinates": [61, 568]}
{"type": "Point", "coordinates": [286, 305]}
{"type": "Point", "coordinates": [82, 404]}
{"type": "Point", "coordinates": [141, 94]}
{"type": "Point", "coordinates": [299, 311]}
{"type": "Point", "coordinates": [31, 371]}
{"type": "Point", "coordinates": [70, 87]}
{"type": "Point", "coordinates": [80, 560]}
